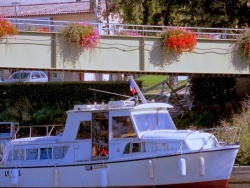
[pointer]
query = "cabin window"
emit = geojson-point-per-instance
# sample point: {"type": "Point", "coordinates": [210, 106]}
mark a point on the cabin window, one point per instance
{"type": "Point", "coordinates": [132, 148]}
{"type": "Point", "coordinates": [31, 154]}
{"type": "Point", "coordinates": [59, 152]}
{"type": "Point", "coordinates": [122, 127]}
{"type": "Point", "coordinates": [175, 145]}
{"type": "Point", "coordinates": [154, 121]}
{"type": "Point", "coordinates": [45, 153]}
{"type": "Point", "coordinates": [84, 130]}
{"type": "Point", "coordinates": [18, 154]}
{"type": "Point", "coordinates": [10, 156]}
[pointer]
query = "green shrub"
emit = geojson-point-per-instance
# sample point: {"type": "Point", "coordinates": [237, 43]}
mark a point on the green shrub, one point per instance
{"type": "Point", "coordinates": [202, 119]}
{"type": "Point", "coordinates": [242, 120]}
{"type": "Point", "coordinates": [47, 116]}
{"type": "Point", "coordinates": [212, 90]}
{"type": "Point", "coordinates": [46, 103]}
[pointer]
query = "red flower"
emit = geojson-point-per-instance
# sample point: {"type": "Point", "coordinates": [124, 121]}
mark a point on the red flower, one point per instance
{"type": "Point", "coordinates": [179, 40]}
{"type": "Point", "coordinates": [7, 29]}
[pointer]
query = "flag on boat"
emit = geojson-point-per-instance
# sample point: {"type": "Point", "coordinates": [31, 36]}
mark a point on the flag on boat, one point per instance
{"type": "Point", "coordinates": [132, 88]}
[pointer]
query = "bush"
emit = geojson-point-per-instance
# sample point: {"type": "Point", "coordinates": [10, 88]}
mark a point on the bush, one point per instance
{"type": "Point", "coordinates": [201, 119]}
{"type": "Point", "coordinates": [242, 120]}
{"type": "Point", "coordinates": [215, 98]}
{"type": "Point", "coordinates": [243, 44]}
{"type": "Point", "coordinates": [46, 103]}
{"type": "Point", "coordinates": [212, 90]}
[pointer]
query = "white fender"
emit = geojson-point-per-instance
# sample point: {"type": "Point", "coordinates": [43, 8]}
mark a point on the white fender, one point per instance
{"type": "Point", "coordinates": [55, 177]}
{"type": "Point", "coordinates": [14, 177]}
{"type": "Point", "coordinates": [202, 166]}
{"type": "Point", "coordinates": [150, 169]}
{"type": "Point", "coordinates": [182, 167]}
{"type": "Point", "coordinates": [104, 178]}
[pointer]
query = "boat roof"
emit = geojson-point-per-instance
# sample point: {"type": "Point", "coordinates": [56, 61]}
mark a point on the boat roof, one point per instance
{"type": "Point", "coordinates": [153, 105]}
{"type": "Point", "coordinates": [119, 105]}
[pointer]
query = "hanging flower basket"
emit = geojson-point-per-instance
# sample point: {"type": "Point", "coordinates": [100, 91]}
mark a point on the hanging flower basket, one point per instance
{"type": "Point", "coordinates": [179, 40]}
{"type": "Point", "coordinates": [7, 29]}
{"type": "Point", "coordinates": [85, 35]}
{"type": "Point", "coordinates": [243, 44]}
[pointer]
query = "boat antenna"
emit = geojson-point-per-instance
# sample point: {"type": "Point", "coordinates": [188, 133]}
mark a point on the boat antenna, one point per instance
{"type": "Point", "coordinates": [110, 93]}
{"type": "Point", "coordinates": [142, 98]}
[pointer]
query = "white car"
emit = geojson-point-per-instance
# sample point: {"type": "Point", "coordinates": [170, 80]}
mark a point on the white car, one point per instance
{"type": "Point", "coordinates": [27, 76]}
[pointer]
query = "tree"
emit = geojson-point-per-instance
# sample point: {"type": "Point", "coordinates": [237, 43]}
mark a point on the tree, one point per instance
{"type": "Point", "coordinates": [202, 13]}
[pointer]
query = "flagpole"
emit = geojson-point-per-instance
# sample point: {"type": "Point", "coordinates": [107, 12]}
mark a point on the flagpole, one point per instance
{"type": "Point", "coordinates": [144, 101]}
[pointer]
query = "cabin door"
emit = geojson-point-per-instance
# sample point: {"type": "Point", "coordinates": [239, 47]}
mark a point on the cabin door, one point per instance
{"type": "Point", "coordinates": [100, 125]}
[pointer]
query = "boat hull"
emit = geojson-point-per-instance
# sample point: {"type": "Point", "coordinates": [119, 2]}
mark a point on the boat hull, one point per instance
{"type": "Point", "coordinates": [208, 184]}
{"type": "Point", "coordinates": [157, 171]}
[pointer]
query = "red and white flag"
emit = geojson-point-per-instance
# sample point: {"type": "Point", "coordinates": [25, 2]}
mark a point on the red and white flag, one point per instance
{"type": "Point", "coordinates": [132, 88]}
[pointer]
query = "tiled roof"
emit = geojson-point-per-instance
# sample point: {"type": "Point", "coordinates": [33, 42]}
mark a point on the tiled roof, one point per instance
{"type": "Point", "coordinates": [29, 2]}
{"type": "Point", "coordinates": [45, 9]}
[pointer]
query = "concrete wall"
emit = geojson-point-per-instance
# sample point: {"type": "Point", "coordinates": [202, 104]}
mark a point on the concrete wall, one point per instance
{"type": "Point", "coordinates": [240, 177]}
{"type": "Point", "coordinates": [118, 54]}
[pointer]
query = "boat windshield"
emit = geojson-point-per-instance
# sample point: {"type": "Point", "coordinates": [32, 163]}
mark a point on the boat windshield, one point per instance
{"type": "Point", "coordinates": [154, 121]}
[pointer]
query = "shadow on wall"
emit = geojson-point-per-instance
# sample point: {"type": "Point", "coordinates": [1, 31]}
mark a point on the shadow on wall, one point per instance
{"type": "Point", "coordinates": [68, 52]}
{"type": "Point", "coordinates": [239, 61]}
{"type": "Point", "coordinates": [162, 57]}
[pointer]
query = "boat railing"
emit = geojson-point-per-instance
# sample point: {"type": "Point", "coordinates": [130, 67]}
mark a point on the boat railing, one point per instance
{"type": "Point", "coordinates": [224, 135]}
{"type": "Point", "coordinates": [43, 25]}
{"type": "Point", "coordinates": [38, 130]}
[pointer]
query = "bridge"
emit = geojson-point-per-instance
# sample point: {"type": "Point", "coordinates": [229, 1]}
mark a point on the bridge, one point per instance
{"type": "Point", "coordinates": [122, 54]}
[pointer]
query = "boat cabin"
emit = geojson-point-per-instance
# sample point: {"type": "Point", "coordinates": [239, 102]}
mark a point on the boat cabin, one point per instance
{"type": "Point", "coordinates": [96, 132]}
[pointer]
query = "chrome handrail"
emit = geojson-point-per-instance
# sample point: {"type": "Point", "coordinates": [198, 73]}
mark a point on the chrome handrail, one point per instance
{"type": "Point", "coordinates": [48, 132]}
{"type": "Point", "coordinates": [222, 132]}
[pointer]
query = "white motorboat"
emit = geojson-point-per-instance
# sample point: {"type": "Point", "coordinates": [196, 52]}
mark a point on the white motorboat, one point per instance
{"type": "Point", "coordinates": [121, 144]}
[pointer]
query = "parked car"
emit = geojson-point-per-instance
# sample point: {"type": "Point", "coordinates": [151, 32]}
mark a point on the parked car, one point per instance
{"type": "Point", "coordinates": [27, 76]}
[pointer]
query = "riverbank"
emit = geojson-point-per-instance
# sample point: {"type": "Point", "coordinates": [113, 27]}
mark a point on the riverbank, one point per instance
{"type": "Point", "coordinates": [240, 177]}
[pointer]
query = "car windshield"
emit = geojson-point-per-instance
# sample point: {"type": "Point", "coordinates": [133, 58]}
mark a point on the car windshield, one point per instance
{"type": "Point", "coordinates": [154, 121]}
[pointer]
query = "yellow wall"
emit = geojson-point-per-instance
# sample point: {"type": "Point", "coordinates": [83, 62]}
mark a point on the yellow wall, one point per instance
{"type": "Point", "coordinates": [78, 17]}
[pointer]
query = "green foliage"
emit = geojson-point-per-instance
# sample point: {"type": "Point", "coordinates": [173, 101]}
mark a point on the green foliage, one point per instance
{"type": "Point", "coordinates": [46, 103]}
{"type": "Point", "coordinates": [214, 13]}
{"type": "Point", "coordinates": [242, 120]}
{"type": "Point", "coordinates": [139, 12]}
{"type": "Point", "coordinates": [47, 115]}
{"type": "Point", "coordinates": [212, 90]}
{"type": "Point", "coordinates": [85, 35]}
{"type": "Point", "coordinates": [214, 98]}
{"type": "Point", "coordinates": [243, 44]}
{"type": "Point", "coordinates": [201, 119]}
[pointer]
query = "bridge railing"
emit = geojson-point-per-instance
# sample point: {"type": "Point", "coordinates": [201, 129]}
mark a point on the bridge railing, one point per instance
{"type": "Point", "coordinates": [124, 29]}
